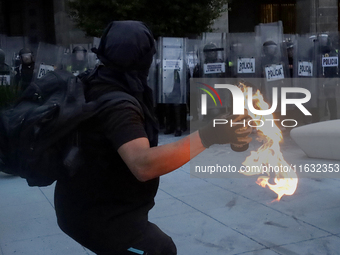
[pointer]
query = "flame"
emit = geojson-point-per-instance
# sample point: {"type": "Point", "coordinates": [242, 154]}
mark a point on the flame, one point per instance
{"type": "Point", "coordinates": [269, 157]}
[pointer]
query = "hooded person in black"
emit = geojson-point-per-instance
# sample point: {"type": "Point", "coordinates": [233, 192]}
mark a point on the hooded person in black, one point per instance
{"type": "Point", "coordinates": [105, 205]}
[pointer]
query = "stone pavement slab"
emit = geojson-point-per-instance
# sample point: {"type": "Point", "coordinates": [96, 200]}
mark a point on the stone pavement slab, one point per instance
{"type": "Point", "coordinates": [210, 216]}
{"type": "Point", "coordinates": [197, 233]}
{"type": "Point", "coordinates": [28, 223]}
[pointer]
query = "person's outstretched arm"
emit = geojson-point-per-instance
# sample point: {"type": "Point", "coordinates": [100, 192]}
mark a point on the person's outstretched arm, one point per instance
{"type": "Point", "coordinates": [147, 163]}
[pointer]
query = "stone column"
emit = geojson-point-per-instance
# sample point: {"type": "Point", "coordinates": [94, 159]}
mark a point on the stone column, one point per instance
{"type": "Point", "coordinates": [324, 15]}
{"type": "Point", "coordinates": [304, 16]}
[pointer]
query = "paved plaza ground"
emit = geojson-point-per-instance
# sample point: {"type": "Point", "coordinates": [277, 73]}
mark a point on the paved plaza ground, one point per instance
{"type": "Point", "coordinates": [211, 216]}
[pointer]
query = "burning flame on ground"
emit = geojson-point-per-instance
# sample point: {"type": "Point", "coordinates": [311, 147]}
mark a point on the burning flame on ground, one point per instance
{"type": "Point", "coordinates": [269, 154]}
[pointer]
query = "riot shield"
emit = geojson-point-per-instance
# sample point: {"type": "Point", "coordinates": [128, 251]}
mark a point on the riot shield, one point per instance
{"type": "Point", "coordinates": [49, 57]}
{"type": "Point", "coordinates": [193, 46]}
{"type": "Point", "coordinates": [152, 79]}
{"type": "Point", "coordinates": [92, 60]}
{"type": "Point", "coordinates": [172, 70]}
{"type": "Point", "coordinates": [328, 73]}
{"type": "Point", "coordinates": [79, 59]}
{"type": "Point", "coordinates": [304, 76]}
{"type": "Point", "coordinates": [12, 46]}
{"type": "Point", "coordinates": [288, 44]}
{"type": "Point", "coordinates": [270, 31]}
{"type": "Point", "coordinates": [212, 56]}
{"type": "Point", "coordinates": [305, 70]}
{"type": "Point", "coordinates": [243, 57]}
{"type": "Point", "coordinates": [6, 72]}
{"type": "Point", "coordinates": [7, 92]}
{"type": "Point", "coordinates": [274, 60]}
{"type": "Point", "coordinates": [96, 42]}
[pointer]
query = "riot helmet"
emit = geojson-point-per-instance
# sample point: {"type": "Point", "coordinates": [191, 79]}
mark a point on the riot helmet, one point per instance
{"type": "Point", "coordinates": [324, 43]}
{"type": "Point", "coordinates": [270, 48]}
{"type": "Point", "coordinates": [210, 52]}
{"type": "Point", "coordinates": [2, 57]}
{"type": "Point", "coordinates": [26, 56]}
{"type": "Point", "coordinates": [80, 53]}
{"type": "Point", "coordinates": [236, 48]}
{"type": "Point", "coordinates": [290, 49]}
{"type": "Point", "coordinates": [313, 38]}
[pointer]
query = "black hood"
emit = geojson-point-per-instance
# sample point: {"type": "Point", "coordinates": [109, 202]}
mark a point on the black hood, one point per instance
{"type": "Point", "coordinates": [127, 46]}
{"type": "Point", "coordinates": [126, 50]}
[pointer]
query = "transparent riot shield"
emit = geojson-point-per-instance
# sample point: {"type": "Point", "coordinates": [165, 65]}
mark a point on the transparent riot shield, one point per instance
{"type": "Point", "coordinates": [5, 75]}
{"type": "Point", "coordinates": [12, 46]}
{"type": "Point", "coordinates": [192, 54]}
{"type": "Point", "coordinates": [243, 57]}
{"type": "Point", "coordinates": [305, 69]}
{"type": "Point", "coordinates": [6, 91]}
{"type": "Point", "coordinates": [152, 80]}
{"type": "Point", "coordinates": [79, 59]}
{"type": "Point", "coordinates": [96, 41]}
{"type": "Point", "coordinates": [270, 31]}
{"type": "Point", "coordinates": [172, 70]}
{"type": "Point", "coordinates": [49, 57]}
{"type": "Point", "coordinates": [92, 60]}
{"type": "Point", "coordinates": [212, 56]}
{"type": "Point", "coordinates": [274, 60]}
{"type": "Point", "coordinates": [288, 43]}
{"type": "Point", "coordinates": [6, 71]}
{"type": "Point", "coordinates": [304, 76]}
{"type": "Point", "coordinates": [212, 64]}
{"type": "Point", "coordinates": [327, 59]}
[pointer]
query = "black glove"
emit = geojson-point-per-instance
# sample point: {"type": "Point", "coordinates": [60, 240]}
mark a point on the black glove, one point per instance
{"type": "Point", "coordinates": [226, 133]}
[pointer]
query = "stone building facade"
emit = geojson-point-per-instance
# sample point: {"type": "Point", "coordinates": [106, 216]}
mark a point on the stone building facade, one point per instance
{"type": "Point", "coordinates": [298, 16]}
{"type": "Point", "coordinates": [47, 20]}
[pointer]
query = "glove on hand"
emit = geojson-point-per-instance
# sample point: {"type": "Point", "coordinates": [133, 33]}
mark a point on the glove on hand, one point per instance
{"type": "Point", "coordinates": [225, 133]}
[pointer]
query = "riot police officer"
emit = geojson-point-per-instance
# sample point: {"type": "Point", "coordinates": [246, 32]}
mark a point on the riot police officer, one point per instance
{"type": "Point", "coordinates": [290, 53]}
{"type": "Point", "coordinates": [330, 72]}
{"type": "Point", "coordinates": [6, 94]}
{"type": "Point", "coordinates": [78, 63]}
{"type": "Point", "coordinates": [212, 66]}
{"type": "Point", "coordinates": [4, 68]}
{"type": "Point", "coordinates": [24, 72]}
{"type": "Point", "coordinates": [210, 52]}
{"type": "Point", "coordinates": [270, 50]}
{"type": "Point", "coordinates": [172, 85]}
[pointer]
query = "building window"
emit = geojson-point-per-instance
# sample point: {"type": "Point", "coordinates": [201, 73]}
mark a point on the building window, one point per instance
{"type": "Point", "coordinates": [273, 12]}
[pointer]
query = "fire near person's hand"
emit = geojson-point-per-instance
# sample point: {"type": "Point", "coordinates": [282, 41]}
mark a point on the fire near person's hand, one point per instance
{"type": "Point", "coordinates": [234, 131]}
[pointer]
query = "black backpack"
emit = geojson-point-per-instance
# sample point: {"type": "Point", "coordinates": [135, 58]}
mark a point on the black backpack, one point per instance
{"type": "Point", "coordinates": [38, 135]}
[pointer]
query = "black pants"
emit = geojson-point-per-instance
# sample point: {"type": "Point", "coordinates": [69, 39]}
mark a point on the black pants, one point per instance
{"type": "Point", "coordinates": [330, 94]}
{"type": "Point", "coordinates": [153, 242]}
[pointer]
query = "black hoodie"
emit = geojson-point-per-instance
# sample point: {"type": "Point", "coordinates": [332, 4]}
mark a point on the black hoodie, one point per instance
{"type": "Point", "coordinates": [104, 207]}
